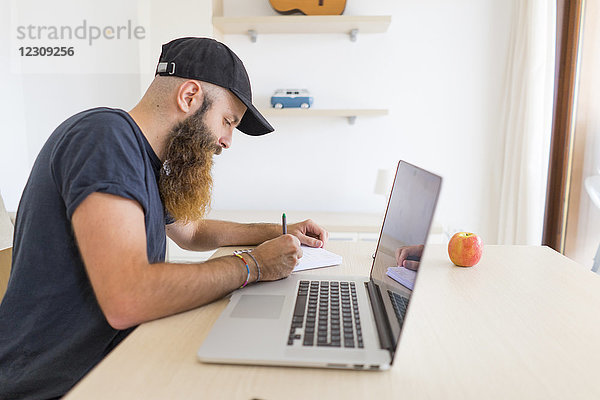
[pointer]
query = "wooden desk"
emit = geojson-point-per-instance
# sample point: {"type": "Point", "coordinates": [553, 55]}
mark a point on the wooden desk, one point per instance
{"type": "Point", "coordinates": [523, 324]}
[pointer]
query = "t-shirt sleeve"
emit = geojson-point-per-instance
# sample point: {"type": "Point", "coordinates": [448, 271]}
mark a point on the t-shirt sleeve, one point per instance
{"type": "Point", "coordinates": [169, 219]}
{"type": "Point", "coordinates": [100, 153]}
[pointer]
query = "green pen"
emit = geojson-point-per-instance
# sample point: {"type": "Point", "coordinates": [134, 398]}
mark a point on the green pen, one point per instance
{"type": "Point", "coordinates": [284, 224]}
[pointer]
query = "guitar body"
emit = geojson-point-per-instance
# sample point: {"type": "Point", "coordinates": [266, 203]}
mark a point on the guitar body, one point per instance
{"type": "Point", "coordinates": [309, 7]}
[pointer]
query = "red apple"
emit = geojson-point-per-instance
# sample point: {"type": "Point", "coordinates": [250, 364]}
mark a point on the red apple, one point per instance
{"type": "Point", "coordinates": [465, 248]}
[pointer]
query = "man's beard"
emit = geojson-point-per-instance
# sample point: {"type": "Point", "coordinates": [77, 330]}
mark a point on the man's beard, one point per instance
{"type": "Point", "coordinates": [185, 181]}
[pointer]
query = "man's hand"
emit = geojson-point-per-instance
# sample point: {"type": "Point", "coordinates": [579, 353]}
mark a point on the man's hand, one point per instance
{"type": "Point", "coordinates": [309, 233]}
{"type": "Point", "coordinates": [409, 256]}
{"type": "Point", "coordinates": [278, 257]}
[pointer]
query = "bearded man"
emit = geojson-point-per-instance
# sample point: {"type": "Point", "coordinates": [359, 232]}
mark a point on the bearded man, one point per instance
{"type": "Point", "coordinates": [105, 190]}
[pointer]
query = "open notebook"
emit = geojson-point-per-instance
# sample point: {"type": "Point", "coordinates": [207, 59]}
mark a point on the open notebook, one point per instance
{"type": "Point", "coordinates": [315, 257]}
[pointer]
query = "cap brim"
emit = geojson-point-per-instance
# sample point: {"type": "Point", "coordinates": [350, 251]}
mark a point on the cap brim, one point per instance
{"type": "Point", "coordinates": [252, 123]}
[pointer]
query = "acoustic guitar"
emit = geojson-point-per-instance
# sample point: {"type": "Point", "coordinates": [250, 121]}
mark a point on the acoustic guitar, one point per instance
{"type": "Point", "coordinates": [309, 7]}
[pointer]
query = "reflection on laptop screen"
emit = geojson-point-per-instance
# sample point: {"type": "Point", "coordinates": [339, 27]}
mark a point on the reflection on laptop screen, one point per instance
{"type": "Point", "coordinates": [405, 229]}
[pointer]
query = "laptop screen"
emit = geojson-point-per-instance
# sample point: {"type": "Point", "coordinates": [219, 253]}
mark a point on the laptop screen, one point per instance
{"type": "Point", "coordinates": [404, 232]}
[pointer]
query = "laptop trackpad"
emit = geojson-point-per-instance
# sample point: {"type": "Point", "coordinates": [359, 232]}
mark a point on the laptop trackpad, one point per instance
{"type": "Point", "coordinates": [258, 306]}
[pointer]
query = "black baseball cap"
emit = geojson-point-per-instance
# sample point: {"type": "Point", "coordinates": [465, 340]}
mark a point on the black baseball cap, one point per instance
{"type": "Point", "coordinates": [210, 61]}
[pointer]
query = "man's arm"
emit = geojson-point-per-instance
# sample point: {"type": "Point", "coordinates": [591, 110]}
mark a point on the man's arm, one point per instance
{"type": "Point", "coordinates": [211, 234]}
{"type": "Point", "coordinates": [111, 237]}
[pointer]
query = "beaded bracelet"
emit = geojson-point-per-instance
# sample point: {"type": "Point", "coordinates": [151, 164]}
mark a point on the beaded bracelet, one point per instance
{"type": "Point", "coordinates": [249, 252]}
{"type": "Point", "coordinates": [247, 269]}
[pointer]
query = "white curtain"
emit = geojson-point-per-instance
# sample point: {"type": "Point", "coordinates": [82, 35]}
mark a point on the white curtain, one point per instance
{"type": "Point", "coordinates": [527, 121]}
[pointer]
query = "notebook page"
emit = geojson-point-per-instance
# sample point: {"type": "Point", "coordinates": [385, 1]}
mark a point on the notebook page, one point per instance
{"type": "Point", "coordinates": [315, 257]}
{"type": "Point", "coordinates": [403, 276]}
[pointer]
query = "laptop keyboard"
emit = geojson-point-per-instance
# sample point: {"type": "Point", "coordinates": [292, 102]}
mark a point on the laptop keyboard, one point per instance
{"type": "Point", "coordinates": [318, 319]}
{"type": "Point", "coordinates": [399, 303]}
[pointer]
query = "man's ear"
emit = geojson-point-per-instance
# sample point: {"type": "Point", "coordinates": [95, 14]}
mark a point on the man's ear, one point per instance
{"type": "Point", "coordinates": [189, 96]}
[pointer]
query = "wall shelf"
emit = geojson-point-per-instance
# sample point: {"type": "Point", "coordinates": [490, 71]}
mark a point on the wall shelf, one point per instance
{"type": "Point", "coordinates": [351, 114]}
{"type": "Point", "coordinates": [347, 24]}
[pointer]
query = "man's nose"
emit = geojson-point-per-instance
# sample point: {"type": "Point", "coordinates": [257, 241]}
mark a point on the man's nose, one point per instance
{"type": "Point", "coordinates": [225, 141]}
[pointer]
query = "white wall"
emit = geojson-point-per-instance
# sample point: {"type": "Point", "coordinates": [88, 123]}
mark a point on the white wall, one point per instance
{"type": "Point", "coordinates": [439, 70]}
{"type": "Point", "coordinates": [35, 103]}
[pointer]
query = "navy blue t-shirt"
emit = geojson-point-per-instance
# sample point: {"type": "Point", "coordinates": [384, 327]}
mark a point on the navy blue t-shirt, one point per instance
{"type": "Point", "coordinates": [52, 330]}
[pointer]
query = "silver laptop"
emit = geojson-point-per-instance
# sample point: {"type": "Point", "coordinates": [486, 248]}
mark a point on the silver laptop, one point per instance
{"type": "Point", "coordinates": [334, 321]}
